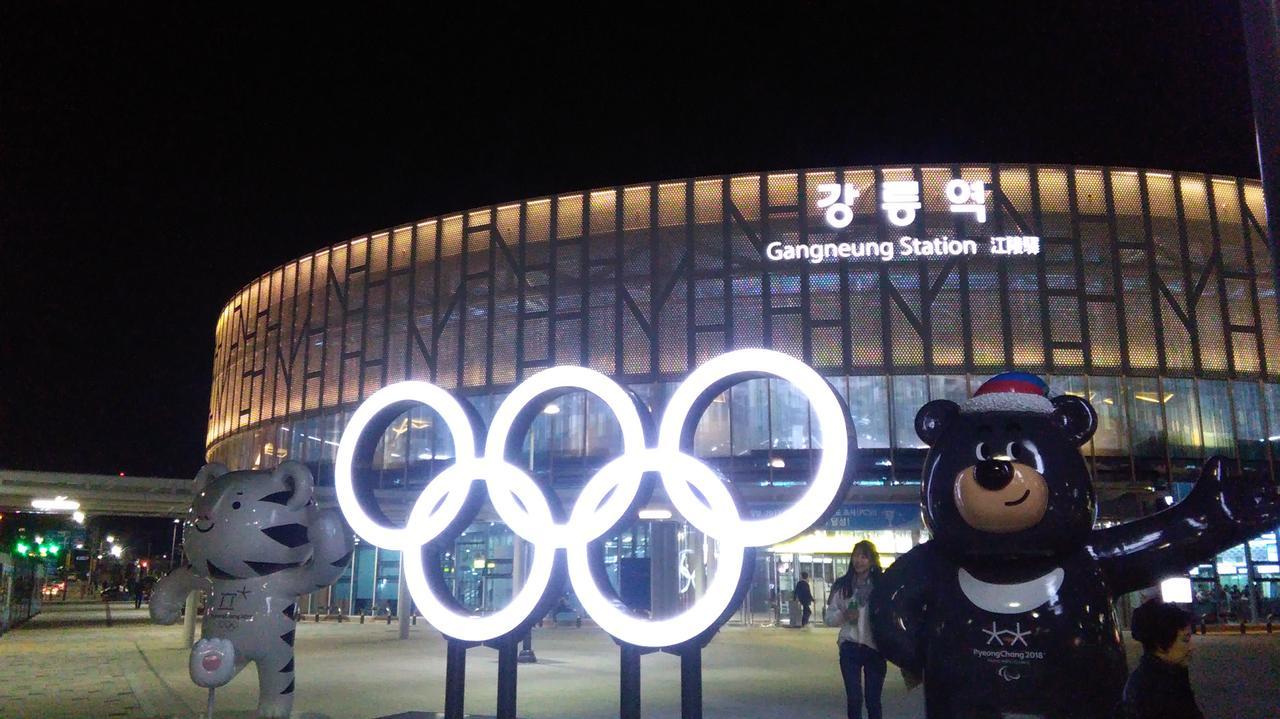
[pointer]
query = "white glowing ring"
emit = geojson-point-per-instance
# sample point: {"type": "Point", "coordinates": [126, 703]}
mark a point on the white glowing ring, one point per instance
{"type": "Point", "coordinates": [560, 378]}
{"type": "Point", "coordinates": [827, 480]}
{"type": "Point", "coordinates": [467, 626]}
{"type": "Point", "coordinates": [626, 627]}
{"type": "Point", "coordinates": [464, 447]}
{"type": "Point", "coordinates": [604, 500]}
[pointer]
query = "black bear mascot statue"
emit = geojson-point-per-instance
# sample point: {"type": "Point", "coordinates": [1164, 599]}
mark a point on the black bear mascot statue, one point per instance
{"type": "Point", "coordinates": [1006, 611]}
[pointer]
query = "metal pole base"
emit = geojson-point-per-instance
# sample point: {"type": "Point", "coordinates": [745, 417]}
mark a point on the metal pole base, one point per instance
{"type": "Point", "coordinates": [526, 655]}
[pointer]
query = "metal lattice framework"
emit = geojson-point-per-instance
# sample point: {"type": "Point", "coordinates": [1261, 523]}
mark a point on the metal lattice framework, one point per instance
{"type": "Point", "coordinates": [1140, 273]}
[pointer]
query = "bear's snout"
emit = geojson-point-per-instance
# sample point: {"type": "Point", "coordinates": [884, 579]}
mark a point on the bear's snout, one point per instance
{"type": "Point", "coordinates": [993, 475]}
{"type": "Point", "coordinates": [1000, 496]}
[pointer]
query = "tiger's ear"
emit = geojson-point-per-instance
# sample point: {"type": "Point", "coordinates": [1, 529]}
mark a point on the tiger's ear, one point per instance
{"type": "Point", "coordinates": [208, 473]}
{"type": "Point", "coordinates": [297, 477]}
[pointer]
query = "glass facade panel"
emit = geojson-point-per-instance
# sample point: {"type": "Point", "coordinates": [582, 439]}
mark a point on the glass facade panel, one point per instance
{"type": "Point", "coordinates": [1251, 435]}
{"type": "Point", "coordinates": [788, 416]}
{"type": "Point", "coordinates": [713, 434]}
{"type": "Point", "coordinates": [1146, 416]}
{"type": "Point", "coordinates": [750, 417]}
{"type": "Point", "coordinates": [1215, 419]}
{"type": "Point", "coordinates": [952, 387]}
{"type": "Point", "coordinates": [1182, 415]}
{"type": "Point", "coordinates": [869, 408]}
{"type": "Point", "coordinates": [1110, 444]}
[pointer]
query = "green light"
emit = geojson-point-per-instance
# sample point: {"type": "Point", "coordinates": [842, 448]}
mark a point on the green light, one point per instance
{"type": "Point", "coordinates": [21, 548]}
{"type": "Point", "coordinates": [53, 549]}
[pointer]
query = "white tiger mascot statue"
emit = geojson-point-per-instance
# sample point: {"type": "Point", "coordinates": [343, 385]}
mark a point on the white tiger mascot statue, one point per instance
{"type": "Point", "coordinates": [254, 541]}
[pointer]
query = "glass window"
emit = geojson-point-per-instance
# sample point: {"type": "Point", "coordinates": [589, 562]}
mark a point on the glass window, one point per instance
{"type": "Point", "coordinates": [1110, 444]}
{"type": "Point", "coordinates": [1110, 439]}
{"type": "Point", "coordinates": [1272, 394]}
{"type": "Point", "coordinates": [952, 387]}
{"type": "Point", "coordinates": [711, 439]}
{"type": "Point", "coordinates": [788, 416]}
{"type": "Point", "coordinates": [388, 580]}
{"type": "Point", "coordinates": [1144, 404]}
{"type": "Point", "coordinates": [1215, 419]}
{"type": "Point", "coordinates": [1066, 384]}
{"type": "Point", "coordinates": [603, 433]}
{"type": "Point", "coordinates": [361, 595]}
{"type": "Point", "coordinates": [868, 407]}
{"type": "Point", "coordinates": [391, 451]}
{"type": "Point", "coordinates": [1263, 549]}
{"type": "Point", "coordinates": [910, 393]}
{"type": "Point", "coordinates": [1250, 434]}
{"type": "Point", "coordinates": [1181, 412]}
{"type": "Point", "coordinates": [749, 403]}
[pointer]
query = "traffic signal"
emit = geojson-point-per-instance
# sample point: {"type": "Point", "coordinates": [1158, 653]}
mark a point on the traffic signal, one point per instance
{"type": "Point", "coordinates": [21, 549]}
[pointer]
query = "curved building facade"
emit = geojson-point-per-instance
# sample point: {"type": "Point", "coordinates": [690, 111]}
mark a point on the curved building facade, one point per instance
{"type": "Point", "coordinates": [1150, 292]}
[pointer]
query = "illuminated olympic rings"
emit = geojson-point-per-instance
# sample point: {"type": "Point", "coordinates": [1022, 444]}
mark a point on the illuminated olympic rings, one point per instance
{"type": "Point", "coordinates": [604, 500]}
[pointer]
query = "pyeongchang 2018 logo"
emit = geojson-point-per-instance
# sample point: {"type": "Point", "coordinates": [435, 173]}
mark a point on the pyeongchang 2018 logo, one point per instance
{"type": "Point", "coordinates": [1007, 641]}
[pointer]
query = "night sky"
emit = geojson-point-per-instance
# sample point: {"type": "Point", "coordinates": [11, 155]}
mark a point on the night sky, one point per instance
{"type": "Point", "coordinates": [153, 160]}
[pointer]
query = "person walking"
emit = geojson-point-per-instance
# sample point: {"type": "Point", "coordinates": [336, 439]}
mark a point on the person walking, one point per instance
{"type": "Point", "coordinates": [861, 665]}
{"type": "Point", "coordinates": [1160, 686]}
{"type": "Point", "coordinates": [804, 595]}
{"type": "Point", "coordinates": [136, 586]}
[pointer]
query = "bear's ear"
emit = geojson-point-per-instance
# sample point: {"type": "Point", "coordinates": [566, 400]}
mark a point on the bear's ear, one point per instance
{"type": "Point", "coordinates": [935, 417]}
{"type": "Point", "coordinates": [1076, 417]}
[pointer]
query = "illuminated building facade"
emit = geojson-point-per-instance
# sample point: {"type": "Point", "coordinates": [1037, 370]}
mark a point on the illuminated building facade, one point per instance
{"type": "Point", "coordinates": [1150, 292]}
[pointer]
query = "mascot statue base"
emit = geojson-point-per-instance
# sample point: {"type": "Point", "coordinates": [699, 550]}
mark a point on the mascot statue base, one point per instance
{"type": "Point", "coordinates": [254, 542]}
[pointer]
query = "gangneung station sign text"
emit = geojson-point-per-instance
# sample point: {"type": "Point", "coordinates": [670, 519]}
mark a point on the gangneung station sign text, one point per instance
{"type": "Point", "coordinates": [900, 201]}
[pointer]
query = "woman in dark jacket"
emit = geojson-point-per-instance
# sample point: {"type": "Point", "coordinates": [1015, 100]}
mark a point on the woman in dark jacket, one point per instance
{"type": "Point", "coordinates": [1160, 687]}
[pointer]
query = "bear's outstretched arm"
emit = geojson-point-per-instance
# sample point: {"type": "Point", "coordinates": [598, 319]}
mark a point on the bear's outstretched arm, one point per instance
{"type": "Point", "coordinates": [1221, 511]}
{"type": "Point", "coordinates": [171, 592]}
{"type": "Point", "coordinates": [899, 604]}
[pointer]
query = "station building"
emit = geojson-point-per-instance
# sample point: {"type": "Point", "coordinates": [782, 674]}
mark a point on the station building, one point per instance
{"type": "Point", "coordinates": [1149, 292]}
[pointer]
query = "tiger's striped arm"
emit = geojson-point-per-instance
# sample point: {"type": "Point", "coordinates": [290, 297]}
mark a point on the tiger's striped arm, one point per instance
{"type": "Point", "coordinates": [171, 592]}
{"type": "Point", "coordinates": [332, 545]}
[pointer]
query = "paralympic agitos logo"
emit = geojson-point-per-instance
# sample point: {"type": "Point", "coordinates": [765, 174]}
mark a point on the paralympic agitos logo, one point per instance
{"type": "Point", "coordinates": [608, 500]}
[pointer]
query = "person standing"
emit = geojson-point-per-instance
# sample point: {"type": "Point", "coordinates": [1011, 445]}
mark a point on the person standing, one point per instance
{"type": "Point", "coordinates": [861, 665]}
{"type": "Point", "coordinates": [136, 586]}
{"type": "Point", "coordinates": [1160, 686]}
{"type": "Point", "coordinates": [804, 595]}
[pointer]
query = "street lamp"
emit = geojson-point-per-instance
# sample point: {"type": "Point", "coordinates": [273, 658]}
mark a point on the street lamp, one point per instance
{"type": "Point", "coordinates": [173, 544]}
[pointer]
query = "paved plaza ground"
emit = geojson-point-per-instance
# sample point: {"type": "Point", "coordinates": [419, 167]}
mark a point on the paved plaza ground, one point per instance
{"type": "Point", "coordinates": [67, 663]}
